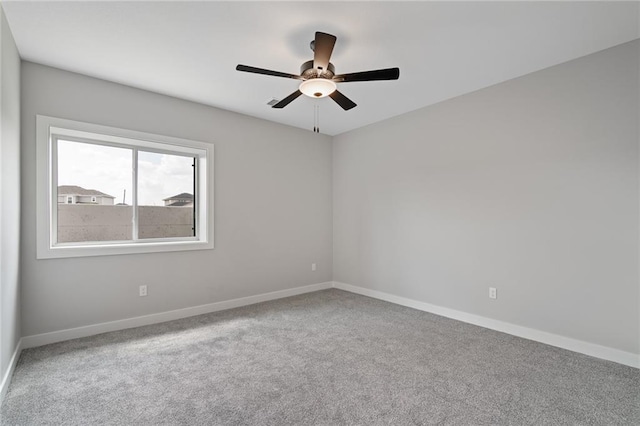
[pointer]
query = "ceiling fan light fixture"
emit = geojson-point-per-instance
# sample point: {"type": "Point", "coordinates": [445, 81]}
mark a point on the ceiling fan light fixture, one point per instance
{"type": "Point", "coordinates": [317, 87]}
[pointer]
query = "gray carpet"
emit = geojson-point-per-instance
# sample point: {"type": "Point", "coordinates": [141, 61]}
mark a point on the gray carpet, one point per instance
{"type": "Point", "coordinates": [324, 358]}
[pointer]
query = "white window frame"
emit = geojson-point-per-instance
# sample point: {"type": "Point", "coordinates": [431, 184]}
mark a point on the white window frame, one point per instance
{"type": "Point", "coordinates": [49, 129]}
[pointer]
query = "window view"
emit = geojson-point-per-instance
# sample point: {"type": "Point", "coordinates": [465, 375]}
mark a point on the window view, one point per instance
{"type": "Point", "coordinates": [165, 195]}
{"type": "Point", "coordinates": [92, 183]}
{"type": "Point", "coordinates": [95, 193]}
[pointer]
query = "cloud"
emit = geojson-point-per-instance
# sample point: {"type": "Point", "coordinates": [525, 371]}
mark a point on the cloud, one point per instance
{"type": "Point", "coordinates": [161, 176]}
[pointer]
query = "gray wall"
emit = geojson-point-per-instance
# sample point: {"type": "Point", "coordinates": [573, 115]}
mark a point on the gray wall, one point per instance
{"type": "Point", "coordinates": [530, 186]}
{"type": "Point", "coordinates": [272, 209]}
{"type": "Point", "coordinates": [10, 194]}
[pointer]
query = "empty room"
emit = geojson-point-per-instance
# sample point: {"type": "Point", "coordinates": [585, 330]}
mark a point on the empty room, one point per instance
{"type": "Point", "coordinates": [319, 213]}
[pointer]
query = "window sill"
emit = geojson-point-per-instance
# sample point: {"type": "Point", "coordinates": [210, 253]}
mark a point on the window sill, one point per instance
{"type": "Point", "coordinates": [65, 251]}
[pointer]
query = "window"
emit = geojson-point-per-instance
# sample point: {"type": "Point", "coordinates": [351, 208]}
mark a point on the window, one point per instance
{"type": "Point", "coordinates": [130, 192]}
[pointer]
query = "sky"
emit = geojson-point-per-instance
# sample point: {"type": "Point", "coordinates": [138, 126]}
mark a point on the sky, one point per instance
{"type": "Point", "coordinates": [109, 170]}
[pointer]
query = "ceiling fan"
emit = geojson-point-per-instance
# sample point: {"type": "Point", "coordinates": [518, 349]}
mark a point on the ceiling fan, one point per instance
{"type": "Point", "coordinates": [318, 75]}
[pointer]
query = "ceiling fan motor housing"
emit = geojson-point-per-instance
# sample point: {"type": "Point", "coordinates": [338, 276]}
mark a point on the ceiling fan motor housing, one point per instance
{"type": "Point", "coordinates": [307, 71]}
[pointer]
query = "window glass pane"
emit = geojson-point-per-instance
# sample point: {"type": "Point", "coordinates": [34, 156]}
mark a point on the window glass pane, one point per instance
{"type": "Point", "coordinates": [165, 195]}
{"type": "Point", "coordinates": [94, 192]}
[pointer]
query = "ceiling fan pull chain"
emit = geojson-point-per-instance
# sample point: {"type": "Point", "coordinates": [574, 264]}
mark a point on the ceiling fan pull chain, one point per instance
{"type": "Point", "coordinates": [315, 122]}
{"type": "Point", "coordinates": [316, 118]}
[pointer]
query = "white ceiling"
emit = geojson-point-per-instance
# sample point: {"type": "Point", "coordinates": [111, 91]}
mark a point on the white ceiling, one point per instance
{"type": "Point", "coordinates": [190, 49]}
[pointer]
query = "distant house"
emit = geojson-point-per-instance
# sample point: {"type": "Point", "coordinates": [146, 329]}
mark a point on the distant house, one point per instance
{"type": "Point", "coordinates": [181, 200]}
{"type": "Point", "coordinates": [71, 194]}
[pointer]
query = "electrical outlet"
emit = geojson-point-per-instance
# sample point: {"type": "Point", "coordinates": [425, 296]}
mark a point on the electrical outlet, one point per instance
{"type": "Point", "coordinates": [143, 290]}
{"type": "Point", "coordinates": [493, 293]}
{"type": "Point", "coordinates": [313, 267]}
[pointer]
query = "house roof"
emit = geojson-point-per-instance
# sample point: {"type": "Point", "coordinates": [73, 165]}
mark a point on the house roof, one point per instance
{"type": "Point", "coordinates": [183, 196]}
{"type": "Point", "coordinates": [181, 204]}
{"type": "Point", "coordinates": [78, 190]}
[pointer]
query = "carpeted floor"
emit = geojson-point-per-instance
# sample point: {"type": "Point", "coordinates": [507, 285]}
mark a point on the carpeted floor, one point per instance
{"type": "Point", "coordinates": [325, 358]}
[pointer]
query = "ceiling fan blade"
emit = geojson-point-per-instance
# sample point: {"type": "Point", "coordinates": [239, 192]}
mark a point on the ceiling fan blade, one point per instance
{"type": "Point", "coordinates": [286, 101]}
{"type": "Point", "coordinates": [342, 100]}
{"type": "Point", "coordinates": [385, 74]}
{"type": "Point", "coordinates": [263, 71]}
{"type": "Point", "coordinates": [322, 49]}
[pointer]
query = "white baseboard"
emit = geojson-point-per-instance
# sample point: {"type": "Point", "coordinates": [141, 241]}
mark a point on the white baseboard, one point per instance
{"type": "Point", "coordinates": [592, 349]}
{"type": "Point", "coordinates": [6, 378]}
{"type": "Point", "coordinates": [105, 327]}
